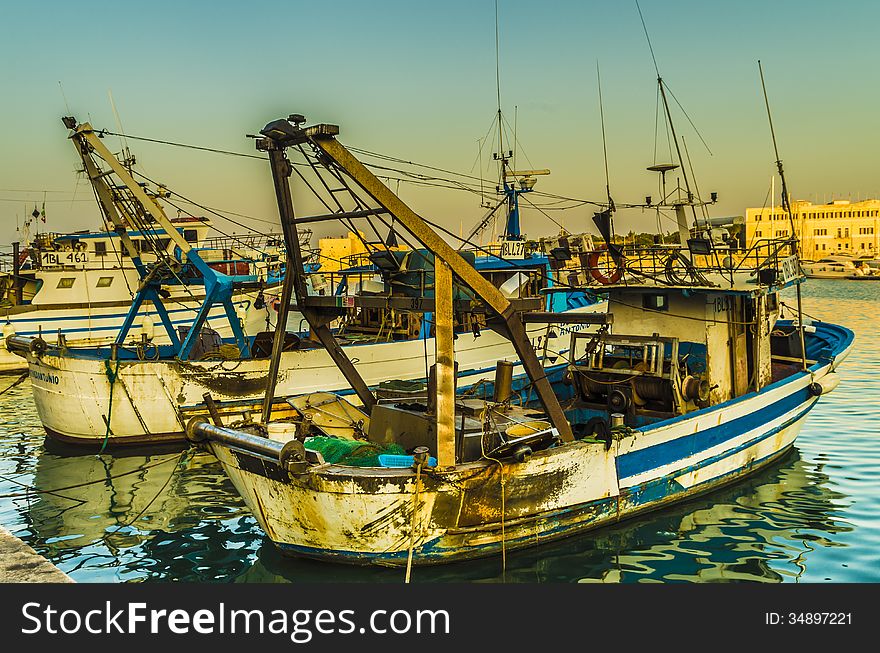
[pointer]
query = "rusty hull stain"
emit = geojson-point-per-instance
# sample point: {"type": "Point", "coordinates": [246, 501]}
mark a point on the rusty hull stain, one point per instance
{"type": "Point", "coordinates": [229, 383]}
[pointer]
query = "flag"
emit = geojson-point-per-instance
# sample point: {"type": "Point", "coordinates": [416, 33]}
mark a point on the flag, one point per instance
{"type": "Point", "coordinates": [43, 212]}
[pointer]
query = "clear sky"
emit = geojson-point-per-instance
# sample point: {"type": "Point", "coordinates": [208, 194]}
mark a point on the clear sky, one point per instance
{"type": "Point", "coordinates": [416, 80]}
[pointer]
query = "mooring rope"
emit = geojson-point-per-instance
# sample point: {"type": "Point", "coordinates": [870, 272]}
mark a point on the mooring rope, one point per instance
{"type": "Point", "coordinates": [412, 528]}
{"type": "Point", "coordinates": [17, 381]}
{"type": "Point", "coordinates": [35, 490]}
{"type": "Point", "coordinates": [111, 376]}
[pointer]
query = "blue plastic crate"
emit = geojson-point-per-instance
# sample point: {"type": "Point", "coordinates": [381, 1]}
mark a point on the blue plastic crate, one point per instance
{"type": "Point", "coordinates": [399, 460]}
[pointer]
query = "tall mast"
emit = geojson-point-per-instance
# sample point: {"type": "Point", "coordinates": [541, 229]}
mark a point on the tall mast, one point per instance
{"type": "Point", "coordinates": [786, 206]}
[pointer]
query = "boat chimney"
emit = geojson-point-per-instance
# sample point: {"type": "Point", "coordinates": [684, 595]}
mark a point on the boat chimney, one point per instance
{"type": "Point", "coordinates": [503, 382]}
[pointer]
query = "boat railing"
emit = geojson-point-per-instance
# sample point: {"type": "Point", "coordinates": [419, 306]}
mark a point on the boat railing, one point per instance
{"type": "Point", "coordinates": [701, 262]}
{"type": "Point", "coordinates": [414, 283]}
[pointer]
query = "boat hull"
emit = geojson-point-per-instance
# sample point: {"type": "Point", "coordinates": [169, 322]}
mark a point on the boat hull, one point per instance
{"type": "Point", "coordinates": [73, 393]}
{"type": "Point", "coordinates": [367, 516]}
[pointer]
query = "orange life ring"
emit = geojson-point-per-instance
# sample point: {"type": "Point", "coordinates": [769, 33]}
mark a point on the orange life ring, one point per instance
{"type": "Point", "coordinates": [275, 304]}
{"type": "Point", "coordinates": [593, 264]}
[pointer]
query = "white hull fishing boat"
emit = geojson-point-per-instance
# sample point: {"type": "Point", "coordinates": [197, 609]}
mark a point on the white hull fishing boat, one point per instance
{"type": "Point", "coordinates": [692, 384]}
{"type": "Point", "coordinates": [141, 392]}
{"type": "Point", "coordinates": [80, 285]}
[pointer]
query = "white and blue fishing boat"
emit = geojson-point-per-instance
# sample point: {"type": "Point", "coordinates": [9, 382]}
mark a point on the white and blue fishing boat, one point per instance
{"type": "Point", "coordinates": [79, 285]}
{"type": "Point", "coordinates": [692, 383]}
{"type": "Point", "coordinates": [140, 391]}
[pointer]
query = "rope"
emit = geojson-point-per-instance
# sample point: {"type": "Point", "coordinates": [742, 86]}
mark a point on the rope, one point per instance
{"type": "Point", "coordinates": [488, 417]}
{"type": "Point", "coordinates": [20, 379]}
{"type": "Point", "coordinates": [412, 528]}
{"type": "Point", "coordinates": [180, 459]}
{"type": "Point", "coordinates": [30, 488]}
{"type": "Point", "coordinates": [111, 376]}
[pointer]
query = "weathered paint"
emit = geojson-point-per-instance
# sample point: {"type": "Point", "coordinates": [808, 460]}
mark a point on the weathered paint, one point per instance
{"type": "Point", "coordinates": [365, 515]}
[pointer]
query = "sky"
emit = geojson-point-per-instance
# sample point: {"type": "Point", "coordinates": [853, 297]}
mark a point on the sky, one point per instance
{"type": "Point", "coordinates": [417, 81]}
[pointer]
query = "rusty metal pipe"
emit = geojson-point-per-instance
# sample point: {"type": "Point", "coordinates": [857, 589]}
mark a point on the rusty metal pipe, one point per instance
{"type": "Point", "coordinates": [19, 344]}
{"type": "Point", "coordinates": [198, 431]}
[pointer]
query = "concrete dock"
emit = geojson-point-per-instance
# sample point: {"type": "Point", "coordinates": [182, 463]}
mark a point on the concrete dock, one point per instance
{"type": "Point", "coordinates": [19, 563]}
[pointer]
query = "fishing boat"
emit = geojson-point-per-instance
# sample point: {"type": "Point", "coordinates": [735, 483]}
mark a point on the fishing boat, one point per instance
{"type": "Point", "coordinates": [80, 285]}
{"type": "Point", "coordinates": [140, 392]}
{"type": "Point", "coordinates": [691, 382]}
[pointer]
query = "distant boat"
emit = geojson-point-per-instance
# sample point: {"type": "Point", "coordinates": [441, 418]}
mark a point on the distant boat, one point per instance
{"type": "Point", "coordinates": [829, 268]}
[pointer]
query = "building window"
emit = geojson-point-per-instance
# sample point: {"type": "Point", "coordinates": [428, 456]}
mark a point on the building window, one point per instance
{"type": "Point", "coordinates": [190, 235]}
{"type": "Point", "coordinates": [104, 282]}
{"type": "Point", "coordinates": [823, 247]}
{"type": "Point", "coordinates": [66, 282]}
{"type": "Point", "coordinates": [838, 232]}
{"type": "Point", "coordinates": [100, 248]}
{"type": "Point", "coordinates": [846, 235]}
{"type": "Point", "coordinates": [757, 234]}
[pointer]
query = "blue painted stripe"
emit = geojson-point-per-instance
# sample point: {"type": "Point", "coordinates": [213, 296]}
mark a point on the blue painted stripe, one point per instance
{"type": "Point", "coordinates": [664, 453]}
{"type": "Point", "coordinates": [648, 491]}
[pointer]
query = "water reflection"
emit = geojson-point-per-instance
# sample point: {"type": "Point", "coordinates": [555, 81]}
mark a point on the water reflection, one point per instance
{"type": "Point", "coordinates": [160, 516]}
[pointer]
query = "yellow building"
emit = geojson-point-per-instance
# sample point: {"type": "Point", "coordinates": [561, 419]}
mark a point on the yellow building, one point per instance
{"type": "Point", "coordinates": [345, 251]}
{"type": "Point", "coordinates": [839, 227]}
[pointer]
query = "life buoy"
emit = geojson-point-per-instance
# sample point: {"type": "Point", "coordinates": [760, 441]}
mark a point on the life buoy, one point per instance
{"type": "Point", "coordinates": [275, 304]}
{"type": "Point", "coordinates": [596, 273]}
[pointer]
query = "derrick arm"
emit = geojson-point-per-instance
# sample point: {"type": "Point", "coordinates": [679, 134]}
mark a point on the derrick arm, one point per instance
{"type": "Point", "coordinates": [218, 287]}
{"type": "Point", "coordinates": [283, 133]}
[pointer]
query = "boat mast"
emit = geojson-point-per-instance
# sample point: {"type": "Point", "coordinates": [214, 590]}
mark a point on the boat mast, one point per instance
{"type": "Point", "coordinates": [681, 218]}
{"type": "Point", "coordinates": [786, 206]}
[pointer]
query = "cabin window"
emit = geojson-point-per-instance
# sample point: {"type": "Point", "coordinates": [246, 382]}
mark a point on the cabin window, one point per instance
{"type": "Point", "coordinates": [66, 282]}
{"type": "Point", "coordinates": [656, 301]}
{"type": "Point", "coordinates": [100, 248]}
{"type": "Point", "coordinates": [163, 244]}
{"type": "Point", "coordinates": [190, 235]}
{"type": "Point", "coordinates": [104, 282]}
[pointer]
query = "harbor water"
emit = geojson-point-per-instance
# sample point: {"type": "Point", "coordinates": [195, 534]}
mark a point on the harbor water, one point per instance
{"type": "Point", "coordinates": [161, 516]}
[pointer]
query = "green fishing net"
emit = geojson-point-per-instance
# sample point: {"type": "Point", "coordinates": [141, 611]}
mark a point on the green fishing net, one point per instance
{"type": "Point", "coordinates": [357, 453]}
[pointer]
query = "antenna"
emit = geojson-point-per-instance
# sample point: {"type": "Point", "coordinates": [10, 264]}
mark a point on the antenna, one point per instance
{"type": "Point", "coordinates": [66, 105]}
{"type": "Point", "coordinates": [787, 207]}
{"type": "Point", "coordinates": [127, 160]}
{"type": "Point", "coordinates": [604, 144]}
{"type": "Point", "coordinates": [662, 86]}
{"type": "Point", "coordinates": [498, 92]}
